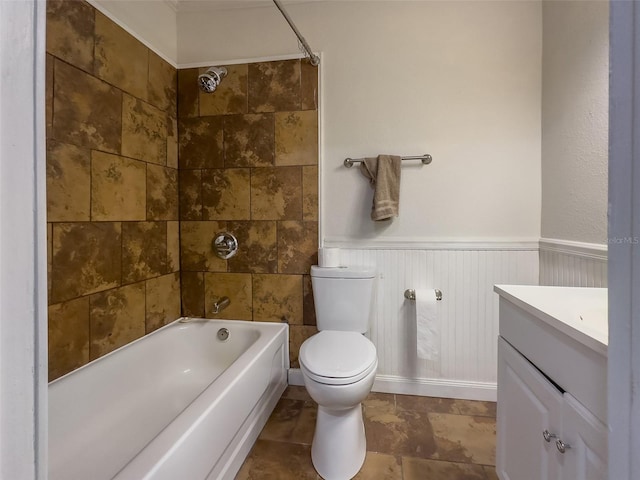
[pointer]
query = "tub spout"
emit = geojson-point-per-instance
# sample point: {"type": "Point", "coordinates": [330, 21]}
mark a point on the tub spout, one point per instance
{"type": "Point", "coordinates": [220, 304]}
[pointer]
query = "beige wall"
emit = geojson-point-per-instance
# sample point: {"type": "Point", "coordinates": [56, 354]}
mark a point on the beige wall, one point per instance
{"type": "Point", "coordinates": [458, 80]}
{"type": "Point", "coordinates": [112, 187]}
{"type": "Point", "coordinates": [575, 104]}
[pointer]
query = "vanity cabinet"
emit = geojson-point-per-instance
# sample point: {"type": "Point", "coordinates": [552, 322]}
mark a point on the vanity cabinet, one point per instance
{"type": "Point", "coordinates": [543, 432]}
{"type": "Point", "coordinates": [528, 404]}
{"type": "Point", "coordinates": [588, 439]}
{"type": "Point", "coordinates": [551, 421]}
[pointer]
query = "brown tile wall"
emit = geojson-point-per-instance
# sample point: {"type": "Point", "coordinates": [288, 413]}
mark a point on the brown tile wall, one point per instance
{"type": "Point", "coordinates": [112, 187]}
{"type": "Point", "coordinates": [248, 156]}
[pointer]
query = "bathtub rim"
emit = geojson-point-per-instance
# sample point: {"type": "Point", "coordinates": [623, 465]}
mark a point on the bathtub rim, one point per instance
{"type": "Point", "coordinates": [194, 320]}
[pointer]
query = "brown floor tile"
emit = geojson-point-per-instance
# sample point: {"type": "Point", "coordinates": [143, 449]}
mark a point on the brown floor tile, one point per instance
{"type": "Point", "coordinates": [426, 404]}
{"type": "Point", "coordinates": [296, 392]}
{"type": "Point", "coordinates": [278, 461]}
{"type": "Point", "coordinates": [462, 438]}
{"type": "Point", "coordinates": [472, 407]}
{"type": "Point", "coordinates": [420, 469]}
{"type": "Point", "coordinates": [490, 472]}
{"type": "Point", "coordinates": [407, 439]}
{"type": "Point", "coordinates": [399, 433]}
{"type": "Point", "coordinates": [292, 421]}
{"type": "Point", "coordinates": [378, 466]}
{"type": "Point", "coordinates": [380, 402]}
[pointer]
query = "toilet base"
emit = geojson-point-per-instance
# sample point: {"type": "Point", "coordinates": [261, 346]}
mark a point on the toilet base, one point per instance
{"type": "Point", "coordinates": [339, 444]}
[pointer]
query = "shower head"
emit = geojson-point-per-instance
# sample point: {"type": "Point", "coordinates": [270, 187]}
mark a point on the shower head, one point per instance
{"type": "Point", "coordinates": [210, 80]}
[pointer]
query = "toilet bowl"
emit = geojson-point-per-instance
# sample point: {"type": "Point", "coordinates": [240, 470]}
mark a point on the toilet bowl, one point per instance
{"type": "Point", "coordinates": [338, 369]}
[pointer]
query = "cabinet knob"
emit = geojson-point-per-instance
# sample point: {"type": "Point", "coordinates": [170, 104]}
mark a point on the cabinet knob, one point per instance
{"type": "Point", "coordinates": [561, 446]}
{"type": "Point", "coordinates": [548, 435]}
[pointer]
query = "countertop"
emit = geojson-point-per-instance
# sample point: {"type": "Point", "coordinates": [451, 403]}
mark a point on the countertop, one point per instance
{"type": "Point", "coordinates": [579, 312]}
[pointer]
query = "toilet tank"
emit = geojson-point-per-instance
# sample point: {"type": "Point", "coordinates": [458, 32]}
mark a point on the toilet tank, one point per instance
{"type": "Point", "coordinates": [343, 297]}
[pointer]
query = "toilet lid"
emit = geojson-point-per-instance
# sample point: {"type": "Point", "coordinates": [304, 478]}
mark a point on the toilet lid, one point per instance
{"type": "Point", "coordinates": [336, 354]}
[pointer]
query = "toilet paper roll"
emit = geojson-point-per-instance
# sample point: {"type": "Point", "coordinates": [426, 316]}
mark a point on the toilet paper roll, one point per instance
{"type": "Point", "coordinates": [427, 325]}
{"type": "Point", "coordinates": [329, 257]}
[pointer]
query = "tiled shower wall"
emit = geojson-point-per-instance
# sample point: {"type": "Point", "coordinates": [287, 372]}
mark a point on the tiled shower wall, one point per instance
{"type": "Point", "coordinates": [112, 187]}
{"type": "Point", "coordinates": [248, 157]}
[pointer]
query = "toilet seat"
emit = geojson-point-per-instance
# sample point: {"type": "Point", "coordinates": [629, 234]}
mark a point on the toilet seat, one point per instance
{"type": "Point", "coordinates": [337, 358]}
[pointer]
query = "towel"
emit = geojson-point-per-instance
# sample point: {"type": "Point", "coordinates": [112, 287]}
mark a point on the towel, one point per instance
{"type": "Point", "coordinates": [427, 325]}
{"type": "Point", "coordinates": [384, 174]}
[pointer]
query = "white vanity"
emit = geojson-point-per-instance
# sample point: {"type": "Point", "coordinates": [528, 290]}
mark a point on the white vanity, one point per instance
{"type": "Point", "coordinates": [552, 383]}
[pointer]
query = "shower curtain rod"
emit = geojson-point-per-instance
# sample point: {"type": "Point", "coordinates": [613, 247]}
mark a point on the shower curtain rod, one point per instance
{"type": "Point", "coordinates": [313, 58]}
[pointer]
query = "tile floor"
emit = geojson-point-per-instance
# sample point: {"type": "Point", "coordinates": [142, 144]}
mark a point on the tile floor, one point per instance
{"type": "Point", "coordinates": [408, 438]}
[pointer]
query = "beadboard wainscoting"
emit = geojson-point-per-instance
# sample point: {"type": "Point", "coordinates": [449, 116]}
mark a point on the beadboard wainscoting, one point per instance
{"type": "Point", "coordinates": [572, 264]}
{"type": "Point", "coordinates": [465, 273]}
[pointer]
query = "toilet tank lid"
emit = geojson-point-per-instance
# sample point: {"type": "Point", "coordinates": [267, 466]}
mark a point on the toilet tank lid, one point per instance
{"type": "Point", "coordinates": [343, 272]}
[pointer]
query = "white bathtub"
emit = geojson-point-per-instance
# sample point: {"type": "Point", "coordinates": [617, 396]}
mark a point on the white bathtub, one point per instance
{"type": "Point", "coordinates": [176, 404]}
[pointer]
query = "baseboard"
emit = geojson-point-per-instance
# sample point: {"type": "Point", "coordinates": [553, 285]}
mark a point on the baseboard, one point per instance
{"type": "Point", "coordinates": [435, 387]}
{"type": "Point", "coordinates": [295, 377]}
{"type": "Point", "coordinates": [426, 387]}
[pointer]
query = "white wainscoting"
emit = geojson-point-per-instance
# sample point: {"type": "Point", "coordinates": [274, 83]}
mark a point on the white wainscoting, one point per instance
{"type": "Point", "coordinates": [572, 264]}
{"type": "Point", "coordinates": [465, 273]}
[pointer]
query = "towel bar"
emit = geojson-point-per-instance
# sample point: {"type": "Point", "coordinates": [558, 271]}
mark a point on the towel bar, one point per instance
{"type": "Point", "coordinates": [410, 294]}
{"type": "Point", "coordinates": [426, 160]}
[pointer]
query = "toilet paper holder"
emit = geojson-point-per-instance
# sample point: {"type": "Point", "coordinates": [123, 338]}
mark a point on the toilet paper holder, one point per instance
{"type": "Point", "coordinates": [410, 294]}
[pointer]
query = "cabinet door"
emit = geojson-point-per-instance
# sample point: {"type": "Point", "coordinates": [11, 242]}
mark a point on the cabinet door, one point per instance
{"type": "Point", "coordinates": [528, 404]}
{"type": "Point", "coordinates": [586, 457]}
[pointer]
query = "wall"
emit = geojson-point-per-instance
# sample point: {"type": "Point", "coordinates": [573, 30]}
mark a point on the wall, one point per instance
{"type": "Point", "coordinates": [575, 96]}
{"type": "Point", "coordinates": [152, 23]}
{"type": "Point", "coordinates": [23, 281]}
{"type": "Point", "coordinates": [575, 86]}
{"type": "Point", "coordinates": [465, 366]}
{"type": "Point", "coordinates": [249, 166]}
{"type": "Point", "coordinates": [112, 187]}
{"type": "Point", "coordinates": [572, 264]}
{"type": "Point", "coordinates": [458, 80]}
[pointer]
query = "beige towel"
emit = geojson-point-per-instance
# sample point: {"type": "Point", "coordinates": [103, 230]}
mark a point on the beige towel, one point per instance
{"type": "Point", "coordinates": [384, 175]}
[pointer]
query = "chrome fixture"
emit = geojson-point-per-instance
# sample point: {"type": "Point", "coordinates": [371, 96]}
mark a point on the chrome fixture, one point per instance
{"type": "Point", "coordinates": [220, 304]}
{"type": "Point", "coordinates": [225, 245]}
{"type": "Point", "coordinates": [223, 334]}
{"type": "Point", "coordinates": [302, 43]}
{"type": "Point", "coordinates": [410, 294]}
{"type": "Point", "coordinates": [210, 80]}
{"type": "Point", "coordinates": [426, 160]}
{"type": "Point", "coordinates": [561, 446]}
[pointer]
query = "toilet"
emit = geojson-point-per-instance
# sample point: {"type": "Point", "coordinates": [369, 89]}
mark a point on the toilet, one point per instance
{"type": "Point", "coordinates": [338, 366]}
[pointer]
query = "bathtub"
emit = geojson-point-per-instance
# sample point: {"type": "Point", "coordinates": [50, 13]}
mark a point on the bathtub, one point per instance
{"type": "Point", "coordinates": [176, 404]}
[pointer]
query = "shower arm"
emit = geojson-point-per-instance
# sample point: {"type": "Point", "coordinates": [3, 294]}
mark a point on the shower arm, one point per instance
{"type": "Point", "coordinates": [313, 58]}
